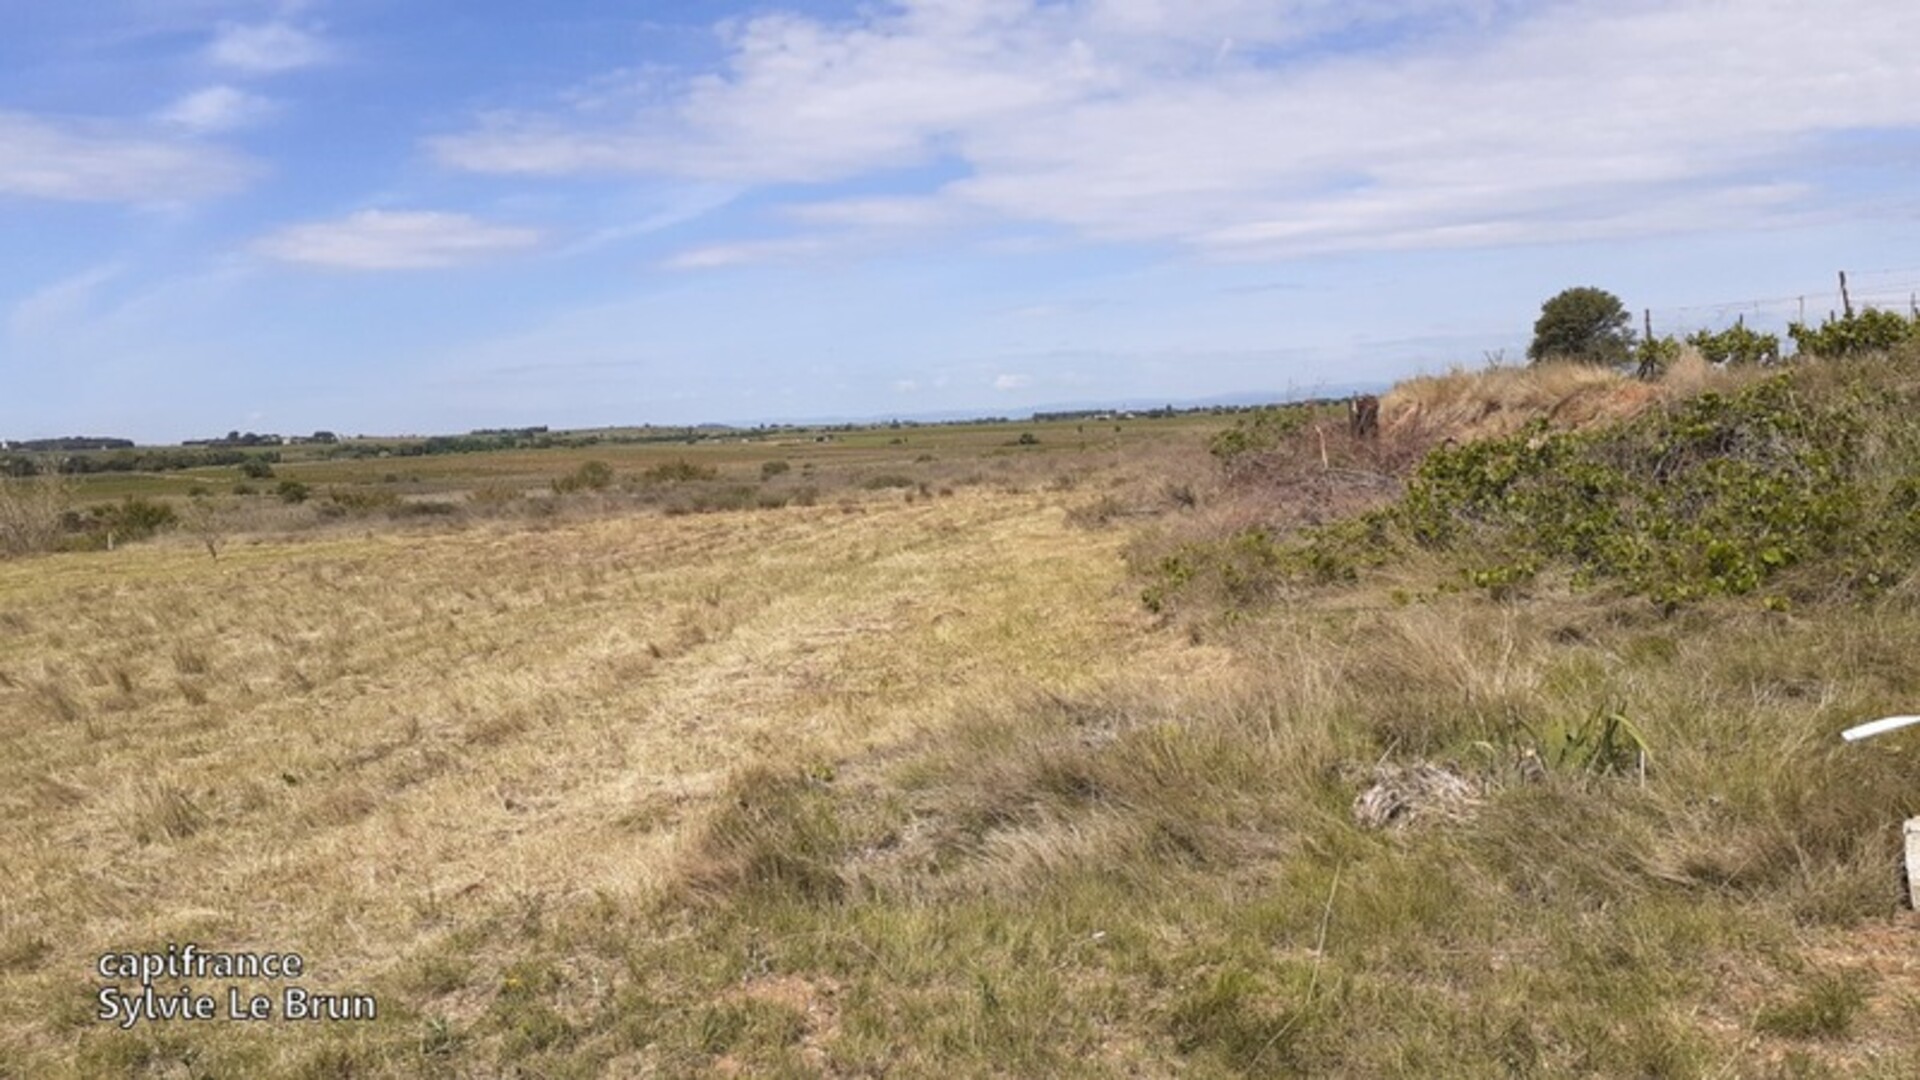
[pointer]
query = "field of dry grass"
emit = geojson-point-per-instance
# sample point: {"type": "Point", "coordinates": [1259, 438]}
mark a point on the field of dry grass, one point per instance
{"type": "Point", "coordinates": [909, 782]}
{"type": "Point", "coordinates": [350, 744]}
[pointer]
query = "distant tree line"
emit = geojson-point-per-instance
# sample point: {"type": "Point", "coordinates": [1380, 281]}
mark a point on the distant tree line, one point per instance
{"type": "Point", "coordinates": [67, 443]}
{"type": "Point", "coordinates": [126, 461]}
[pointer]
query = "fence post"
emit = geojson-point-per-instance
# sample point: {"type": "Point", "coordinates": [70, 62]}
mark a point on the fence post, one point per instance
{"type": "Point", "coordinates": [1846, 300]}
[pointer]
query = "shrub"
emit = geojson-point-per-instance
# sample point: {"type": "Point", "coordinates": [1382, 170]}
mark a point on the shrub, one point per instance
{"type": "Point", "coordinates": [256, 468]}
{"type": "Point", "coordinates": [290, 491]}
{"type": "Point", "coordinates": [1711, 500]}
{"type": "Point", "coordinates": [887, 480]}
{"type": "Point", "coordinates": [1869, 331]}
{"type": "Point", "coordinates": [679, 471]}
{"type": "Point", "coordinates": [590, 476]}
{"type": "Point", "coordinates": [1737, 346]}
{"type": "Point", "coordinates": [132, 518]}
{"type": "Point", "coordinates": [494, 495]}
{"type": "Point", "coordinates": [360, 500]}
{"type": "Point", "coordinates": [1264, 430]}
{"type": "Point", "coordinates": [771, 469]}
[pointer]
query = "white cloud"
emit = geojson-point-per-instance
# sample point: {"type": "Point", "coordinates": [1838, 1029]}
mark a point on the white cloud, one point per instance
{"type": "Point", "coordinates": [267, 48]}
{"type": "Point", "coordinates": [1255, 129]}
{"type": "Point", "coordinates": [217, 109]}
{"type": "Point", "coordinates": [1012, 382]}
{"type": "Point", "coordinates": [101, 163]}
{"type": "Point", "coordinates": [395, 240]}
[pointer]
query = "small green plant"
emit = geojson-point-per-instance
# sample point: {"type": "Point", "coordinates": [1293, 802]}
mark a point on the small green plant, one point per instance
{"type": "Point", "coordinates": [1824, 1008]}
{"type": "Point", "coordinates": [1604, 743]}
{"type": "Point", "coordinates": [1654, 355]}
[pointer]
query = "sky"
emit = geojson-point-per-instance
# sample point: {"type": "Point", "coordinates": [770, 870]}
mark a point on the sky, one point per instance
{"type": "Point", "coordinates": [414, 216]}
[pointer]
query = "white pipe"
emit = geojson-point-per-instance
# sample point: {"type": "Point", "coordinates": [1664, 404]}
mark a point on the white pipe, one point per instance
{"type": "Point", "coordinates": [1878, 727]}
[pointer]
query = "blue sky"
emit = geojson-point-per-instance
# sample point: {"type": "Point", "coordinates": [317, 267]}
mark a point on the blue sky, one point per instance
{"type": "Point", "coordinates": [424, 215]}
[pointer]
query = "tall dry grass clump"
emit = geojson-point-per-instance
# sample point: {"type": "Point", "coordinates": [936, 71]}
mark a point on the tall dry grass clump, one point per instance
{"type": "Point", "coordinates": [1464, 405]}
{"type": "Point", "coordinates": [31, 509]}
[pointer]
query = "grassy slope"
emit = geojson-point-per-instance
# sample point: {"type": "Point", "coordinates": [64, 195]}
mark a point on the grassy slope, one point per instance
{"type": "Point", "coordinates": [919, 791]}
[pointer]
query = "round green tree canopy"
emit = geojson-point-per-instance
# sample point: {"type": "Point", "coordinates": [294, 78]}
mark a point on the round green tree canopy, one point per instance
{"type": "Point", "coordinates": [1586, 324]}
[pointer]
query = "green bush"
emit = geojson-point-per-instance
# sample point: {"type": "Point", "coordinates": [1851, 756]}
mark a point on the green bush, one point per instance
{"type": "Point", "coordinates": [292, 491]}
{"type": "Point", "coordinates": [1713, 499]}
{"type": "Point", "coordinates": [1789, 486]}
{"type": "Point", "coordinates": [256, 468]}
{"type": "Point", "coordinates": [133, 518]}
{"type": "Point", "coordinates": [1737, 346]}
{"type": "Point", "coordinates": [1869, 331]}
{"type": "Point", "coordinates": [771, 469]}
{"type": "Point", "coordinates": [1264, 430]}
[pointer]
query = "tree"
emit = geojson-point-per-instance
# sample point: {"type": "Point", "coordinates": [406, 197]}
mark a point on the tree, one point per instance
{"type": "Point", "coordinates": [1585, 324]}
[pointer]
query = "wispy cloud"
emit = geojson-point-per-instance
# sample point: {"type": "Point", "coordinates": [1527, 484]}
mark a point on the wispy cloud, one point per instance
{"type": "Point", "coordinates": [715, 256]}
{"type": "Point", "coordinates": [396, 240]}
{"type": "Point", "coordinates": [97, 162]}
{"type": "Point", "coordinates": [1012, 382]}
{"type": "Point", "coordinates": [268, 48]}
{"type": "Point", "coordinates": [216, 109]}
{"type": "Point", "coordinates": [909, 212]}
{"type": "Point", "coordinates": [53, 307]}
{"type": "Point", "coordinates": [1258, 129]}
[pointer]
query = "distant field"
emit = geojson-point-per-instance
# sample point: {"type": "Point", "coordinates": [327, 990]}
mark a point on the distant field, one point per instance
{"type": "Point", "coordinates": [737, 456]}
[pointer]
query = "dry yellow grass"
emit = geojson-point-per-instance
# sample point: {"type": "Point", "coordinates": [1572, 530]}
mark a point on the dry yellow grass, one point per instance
{"type": "Point", "coordinates": [347, 746]}
{"type": "Point", "coordinates": [1495, 401]}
